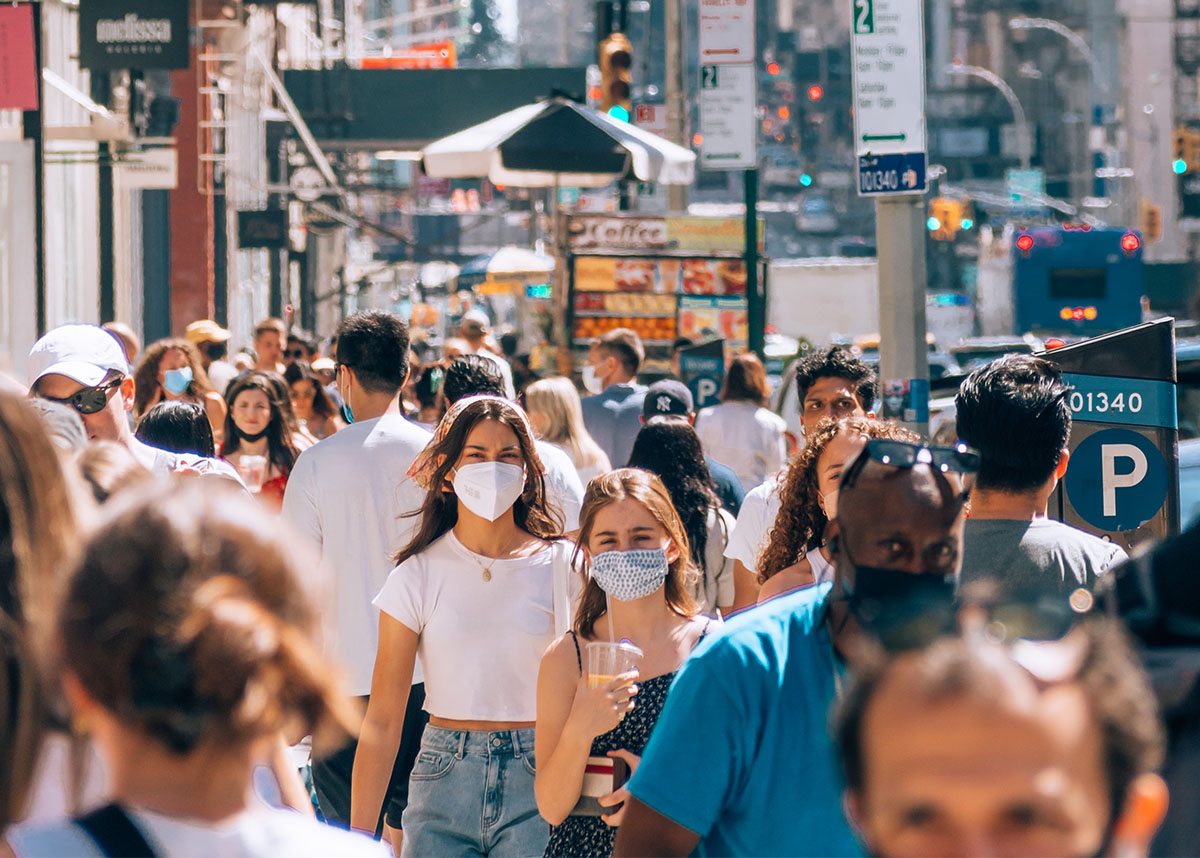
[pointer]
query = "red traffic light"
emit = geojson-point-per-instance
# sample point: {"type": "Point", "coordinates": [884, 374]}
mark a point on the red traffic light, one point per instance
{"type": "Point", "coordinates": [785, 113]}
{"type": "Point", "coordinates": [815, 93]}
{"type": "Point", "coordinates": [1025, 243]}
{"type": "Point", "coordinates": [1130, 242]}
{"type": "Point", "coordinates": [772, 68]}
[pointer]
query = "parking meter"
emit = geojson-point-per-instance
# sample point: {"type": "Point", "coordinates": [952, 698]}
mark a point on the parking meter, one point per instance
{"type": "Point", "coordinates": [1122, 481]}
{"type": "Point", "coordinates": [702, 369]}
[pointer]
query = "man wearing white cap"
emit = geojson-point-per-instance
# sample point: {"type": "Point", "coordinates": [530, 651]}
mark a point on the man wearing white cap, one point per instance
{"type": "Point", "coordinates": [212, 341]}
{"type": "Point", "coordinates": [84, 367]}
{"type": "Point", "coordinates": [474, 329]}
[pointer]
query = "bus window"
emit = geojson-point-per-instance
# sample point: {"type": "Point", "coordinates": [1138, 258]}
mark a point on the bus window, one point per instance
{"type": "Point", "coordinates": [1078, 284]}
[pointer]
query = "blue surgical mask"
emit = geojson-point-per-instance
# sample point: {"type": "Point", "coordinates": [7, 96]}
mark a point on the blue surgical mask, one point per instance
{"type": "Point", "coordinates": [177, 381]}
{"type": "Point", "coordinates": [347, 414]}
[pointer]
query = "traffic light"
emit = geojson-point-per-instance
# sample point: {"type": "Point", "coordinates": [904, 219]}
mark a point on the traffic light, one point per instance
{"type": "Point", "coordinates": [1150, 221]}
{"type": "Point", "coordinates": [945, 218]}
{"type": "Point", "coordinates": [616, 82]}
{"type": "Point", "coordinates": [1186, 150]}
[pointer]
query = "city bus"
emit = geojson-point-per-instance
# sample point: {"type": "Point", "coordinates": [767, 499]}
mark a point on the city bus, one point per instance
{"type": "Point", "coordinates": [1076, 281]}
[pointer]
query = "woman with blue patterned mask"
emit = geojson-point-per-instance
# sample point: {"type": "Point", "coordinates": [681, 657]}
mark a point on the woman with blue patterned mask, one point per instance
{"type": "Point", "coordinates": [640, 578]}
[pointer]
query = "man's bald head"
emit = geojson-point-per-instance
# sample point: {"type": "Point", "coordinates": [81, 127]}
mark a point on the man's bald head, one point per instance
{"type": "Point", "coordinates": [908, 519]}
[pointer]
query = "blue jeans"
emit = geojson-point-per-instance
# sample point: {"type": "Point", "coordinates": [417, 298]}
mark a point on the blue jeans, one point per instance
{"type": "Point", "coordinates": [471, 794]}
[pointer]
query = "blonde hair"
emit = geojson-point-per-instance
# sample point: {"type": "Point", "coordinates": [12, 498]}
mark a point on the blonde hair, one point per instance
{"type": "Point", "coordinates": [557, 401]}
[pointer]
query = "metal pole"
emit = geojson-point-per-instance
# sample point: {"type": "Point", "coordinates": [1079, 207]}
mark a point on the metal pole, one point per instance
{"type": "Point", "coordinates": [756, 305]}
{"type": "Point", "coordinates": [900, 243]}
{"type": "Point", "coordinates": [31, 122]}
{"type": "Point", "coordinates": [677, 195]}
{"type": "Point", "coordinates": [101, 92]}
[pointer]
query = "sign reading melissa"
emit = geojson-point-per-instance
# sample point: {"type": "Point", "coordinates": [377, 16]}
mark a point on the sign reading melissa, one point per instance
{"type": "Point", "coordinates": [133, 34]}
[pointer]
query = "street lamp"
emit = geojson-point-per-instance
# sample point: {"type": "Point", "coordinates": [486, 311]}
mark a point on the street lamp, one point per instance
{"type": "Point", "coordinates": [1077, 41]}
{"type": "Point", "coordinates": [1009, 96]}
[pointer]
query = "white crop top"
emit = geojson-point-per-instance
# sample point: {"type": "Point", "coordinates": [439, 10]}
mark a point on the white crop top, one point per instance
{"type": "Point", "coordinates": [481, 642]}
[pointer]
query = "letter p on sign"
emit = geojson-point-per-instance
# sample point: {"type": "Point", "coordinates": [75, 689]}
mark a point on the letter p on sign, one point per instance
{"type": "Point", "coordinates": [1110, 480]}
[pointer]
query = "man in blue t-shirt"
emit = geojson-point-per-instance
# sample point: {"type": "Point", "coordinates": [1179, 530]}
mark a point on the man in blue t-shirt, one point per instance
{"type": "Point", "coordinates": [741, 761]}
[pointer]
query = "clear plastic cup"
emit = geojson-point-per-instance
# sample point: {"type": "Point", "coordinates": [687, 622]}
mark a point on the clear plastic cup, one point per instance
{"type": "Point", "coordinates": [606, 661]}
{"type": "Point", "coordinates": [253, 471]}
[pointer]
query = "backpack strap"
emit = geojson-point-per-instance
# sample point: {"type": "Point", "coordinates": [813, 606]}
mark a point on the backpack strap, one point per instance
{"type": "Point", "coordinates": [115, 833]}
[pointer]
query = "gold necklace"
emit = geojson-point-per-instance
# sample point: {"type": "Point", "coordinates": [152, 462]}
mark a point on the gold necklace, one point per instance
{"type": "Point", "coordinates": [487, 570]}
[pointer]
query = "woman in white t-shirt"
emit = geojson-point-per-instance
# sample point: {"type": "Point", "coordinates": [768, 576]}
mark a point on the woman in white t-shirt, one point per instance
{"type": "Point", "coordinates": [476, 595]}
{"type": "Point", "coordinates": [184, 644]}
{"type": "Point", "coordinates": [557, 416]}
{"type": "Point", "coordinates": [741, 432]}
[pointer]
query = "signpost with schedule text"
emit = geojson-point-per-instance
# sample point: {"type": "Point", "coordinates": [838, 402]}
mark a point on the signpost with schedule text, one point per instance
{"type": "Point", "coordinates": [1122, 480]}
{"type": "Point", "coordinates": [887, 46]}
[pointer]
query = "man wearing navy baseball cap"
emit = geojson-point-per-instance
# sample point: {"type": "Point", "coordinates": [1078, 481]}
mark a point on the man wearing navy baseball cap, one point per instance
{"type": "Point", "coordinates": [671, 400]}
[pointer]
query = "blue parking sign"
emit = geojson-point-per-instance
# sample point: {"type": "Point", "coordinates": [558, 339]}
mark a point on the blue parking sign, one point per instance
{"type": "Point", "coordinates": [1116, 480]}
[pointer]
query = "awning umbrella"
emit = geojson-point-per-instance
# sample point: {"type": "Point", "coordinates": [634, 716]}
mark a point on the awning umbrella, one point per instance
{"type": "Point", "coordinates": [508, 261]}
{"type": "Point", "coordinates": [558, 142]}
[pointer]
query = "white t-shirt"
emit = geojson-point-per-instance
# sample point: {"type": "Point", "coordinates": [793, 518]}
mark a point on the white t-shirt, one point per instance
{"type": "Point", "coordinates": [349, 495]}
{"type": "Point", "coordinates": [481, 642]}
{"type": "Point", "coordinates": [747, 438]}
{"type": "Point", "coordinates": [563, 486]}
{"type": "Point", "coordinates": [257, 833]}
{"type": "Point", "coordinates": [754, 522]}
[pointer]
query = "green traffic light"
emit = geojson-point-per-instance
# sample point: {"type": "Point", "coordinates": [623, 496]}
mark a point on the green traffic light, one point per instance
{"type": "Point", "coordinates": [933, 224]}
{"type": "Point", "coordinates": [806, 180]}
{"type": "Point", "coordinates": [967, 223]}
{"type": "Point", "coordinates": [619, 112]}
{"type": "Point", "coordinates": [1179, 166]}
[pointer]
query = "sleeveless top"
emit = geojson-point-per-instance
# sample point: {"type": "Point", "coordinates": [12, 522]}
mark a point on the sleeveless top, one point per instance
{"type": "Point", "coordinates": [591, 836]}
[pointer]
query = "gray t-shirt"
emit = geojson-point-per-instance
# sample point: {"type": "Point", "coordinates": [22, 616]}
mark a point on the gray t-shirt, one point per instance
{"type": "Point", "coordinates": [1039, 555]}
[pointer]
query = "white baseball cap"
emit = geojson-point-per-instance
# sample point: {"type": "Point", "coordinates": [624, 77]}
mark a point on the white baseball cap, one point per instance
{"type": "Point", "coordinates": [85, 353]}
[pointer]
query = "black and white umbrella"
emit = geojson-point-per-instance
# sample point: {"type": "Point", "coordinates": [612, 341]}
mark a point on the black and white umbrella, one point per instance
{"type": "Point", "coordinates": [557, 142]}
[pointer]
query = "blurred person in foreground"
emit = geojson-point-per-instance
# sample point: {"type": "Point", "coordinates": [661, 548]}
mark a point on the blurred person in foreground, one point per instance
{"type": "Point", "coordinates": [554, 411]}
{"type": "Point", "coordinates": [974, 746]}
{"type": "Point", "coordinates": [830, 384]}
{"type": "Point", "coordinates": [212, 341]}
{"type": "Point", "coordinates": [350, 496]}
{"type": "Point", "coordinates": [37, 530]}
{"type": "Point", "coordinates": [741, 430]}
{"type": "Point", "coordinates": [672, 451]}
{"type": "Point", "coordinates": [612, 414]}
{"type": "Point", "coordinates": [1014, 411]}
{"type": "Point", "coordinates": [83, 367]}
{"type": "Point", "coordinates": [184, 655]}
{"type": "Point", "coordinates": [741, 761]}
{"type": "Point", "coordinates": [670, 401]}
{"type": "Point", "coordinates": [472, 375]}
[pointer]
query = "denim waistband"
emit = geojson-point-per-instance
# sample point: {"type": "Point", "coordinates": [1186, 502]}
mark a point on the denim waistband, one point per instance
{"type": "Point", "coordinates": [461, 742]}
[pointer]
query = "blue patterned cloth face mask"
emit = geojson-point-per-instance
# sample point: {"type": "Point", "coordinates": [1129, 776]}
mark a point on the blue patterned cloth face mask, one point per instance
{"type": "Point", "coordinates": [630, 575]}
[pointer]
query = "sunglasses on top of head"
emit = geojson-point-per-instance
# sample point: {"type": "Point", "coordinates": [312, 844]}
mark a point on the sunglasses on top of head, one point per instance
{"type": "Point", "coordinates": [958, 459]}
{"type": "Point", "coordinates": [89, 400]}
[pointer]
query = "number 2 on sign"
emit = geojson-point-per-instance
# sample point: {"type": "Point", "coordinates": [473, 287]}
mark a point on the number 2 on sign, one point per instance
{"type": "Point", "coordinates": [864, 17]}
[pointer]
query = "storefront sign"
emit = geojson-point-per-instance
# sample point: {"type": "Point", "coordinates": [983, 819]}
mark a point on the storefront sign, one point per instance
{"type": "Point", "coordinates": [133, 34]}
{"type": "Point", "coordinates": [18, 65]}
{"type": "Point", "coordinates": [701, 234]}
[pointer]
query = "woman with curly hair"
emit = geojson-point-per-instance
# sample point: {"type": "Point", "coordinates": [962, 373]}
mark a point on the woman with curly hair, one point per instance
{"type": "Point", "coordinates": [171, 370]}
{"type": "Point", "coordinates": [795, 555]}
{"type": "Point", "coordinates": [672, 450]}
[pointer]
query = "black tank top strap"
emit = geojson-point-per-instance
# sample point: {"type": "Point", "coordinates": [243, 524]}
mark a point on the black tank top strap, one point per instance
{"type": "Point", "coordinates": [578, 654]}
{"type": "Point", "coordinates": [704, 631]}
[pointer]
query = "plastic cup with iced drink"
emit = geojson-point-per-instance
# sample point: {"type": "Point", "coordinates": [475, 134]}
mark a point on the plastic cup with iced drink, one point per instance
{"type": "Point", "coordinates": [253, 471]}
{"type": "Point", "coordinates": [606, 661]}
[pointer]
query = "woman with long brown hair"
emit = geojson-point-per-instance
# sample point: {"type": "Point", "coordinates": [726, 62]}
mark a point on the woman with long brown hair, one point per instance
{"type": "Point", "coordinates": [795, 555]}
{"type": "Point", "coordinates": [741, 431]}
{"type": "Point", "coordinates": [36, 531]}
{"type": "Point", "coordinates": [170, 371]}
{"type": "Point", "coordinates": [479, 594]}
{"type": "Point", "coordinates": [640, 584]}
{"type": "Point", "coordinates": [185, 652]}
{"type": "Point", "coordinates": [258, 439]}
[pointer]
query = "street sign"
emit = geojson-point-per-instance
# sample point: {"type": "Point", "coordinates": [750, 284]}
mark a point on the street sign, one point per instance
{"type": "Point", "coordinates": [727, 117]}
{"type": "Point", "coordinates": [702, 368]}
{"type": "Point", "coordinates": [651, 117]}
{"type": "Point", "coordinates": [887, 41]}
{"type": "Point", "coordinates": [1116, 480]}
{"type": "Point", "coordinates": [726, 31]}
{"type": "Point", "coordinates": [1024, 188]}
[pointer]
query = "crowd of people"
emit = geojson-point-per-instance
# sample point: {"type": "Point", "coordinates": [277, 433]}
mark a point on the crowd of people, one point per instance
{"type": "Point", "coordinates": [364, 596]}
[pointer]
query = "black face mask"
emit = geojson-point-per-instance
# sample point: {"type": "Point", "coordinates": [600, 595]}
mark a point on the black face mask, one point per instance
{"type": "Point", "coordinates": [902, 610]}
{"type": "Point", "coordinates": [250, 439]}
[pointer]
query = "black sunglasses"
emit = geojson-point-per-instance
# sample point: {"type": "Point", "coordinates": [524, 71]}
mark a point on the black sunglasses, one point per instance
{"type": "Point", "coordinates": [89, 400]}
{"type": "Point", "coordinates": [295, 353]}
{"type": "Point", "coordinates": [959, 459]}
